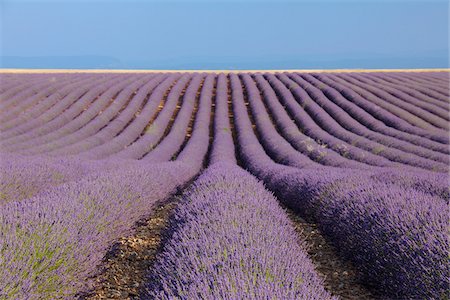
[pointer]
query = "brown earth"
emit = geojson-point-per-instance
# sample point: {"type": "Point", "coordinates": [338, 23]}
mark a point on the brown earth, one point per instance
{"type": "Point", "coordinates": [340, 277]}
{"type": "Point", "coordinates": [125, 266]}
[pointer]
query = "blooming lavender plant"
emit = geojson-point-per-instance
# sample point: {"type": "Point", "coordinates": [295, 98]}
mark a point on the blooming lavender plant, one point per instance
{"type": "Point", "coordinates": [373, 129]}
{"type": "Point", "coordinates": [50, 244]}
{"type": "Point", "coordinates": [395, 235]}
{"type": "Point", "coordinates": [420, 108]}
{"type": "Point", "coordinates": [371, 104]}
{"type": "Point", "coordinates": [109, 120]}
{"type": "Point", "coordinates": [233, 241]}
{"type": "Point", "coordinates": [22, 178]}
{"type": "Point", "coordinates": [43, 129]}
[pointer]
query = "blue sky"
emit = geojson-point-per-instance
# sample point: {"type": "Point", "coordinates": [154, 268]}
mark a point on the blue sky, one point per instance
{"type": "Point", "coordinates": [247, 34]}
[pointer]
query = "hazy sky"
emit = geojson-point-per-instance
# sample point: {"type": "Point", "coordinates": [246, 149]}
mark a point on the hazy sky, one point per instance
{"type": "Point", "coordinates": [247, 34]}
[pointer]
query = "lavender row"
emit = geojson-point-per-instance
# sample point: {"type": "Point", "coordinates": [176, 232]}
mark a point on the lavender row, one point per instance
{"type": "Point", "coordinates": [171, 143]}
{"type": "Point", "coordinates": [250, 150]}
{"type": "Point", "coordinates": [111, 119]}
{"type": "Point", "coordinates": [233, 241]}
{"type": "Point", "coordinates": [387, 112]}
{"type": "Point", "coordinates": [28, 87]}
{"type": "Point", "coordinates": [195, 150]}
{"type": "Point", "coordinates": [379, 242]}
{"type": "Point", "coordinates": [174, 140]}
{"type": "Point", "coordinates": [252, 153]}
{"type": "Point", "coordinates": [164, 114]}
{"type": "Point", "coordinates": [67, 128]}
{"type": "Point", "coordinates": [400, 264]}
{"type": "Point", "coordinates": [395, 236]}
{"type": "Point", "coordinates": [444, 77]}
{"type": "Point", "coordinates": [398, 107]}
{"type": "Point", "coordinates": [24, 177]}
{"type": "Point", "coordinates": [358, 123]}
{"type": "Point", "coordinates": [413, 94]}
{"type": "Point", "coordinates": [439, 94]}
{"type": "Point", "coordinates": [427, 86]}
{"type": "Point", "coordinates": [435, 184]}
{"type": "Point", "coordinates": [26, 104]}
{"type": "Point", "coordinates": [275, 145]}
{"type": "Point", "coordinates": [333, 127]}
{"type": "Point", "coordinates": [419, 107]}
{"type": "Point", "coordinates": [136, 128]}
{"type": "Point", "coordinates": [326, 97]}
{"type": "Point", "coordinates": [377, 119]}
{"type": "Point", "coordinates": [10, 81]}
{"type": "Point", "coordinates": [264, 126]}
{"type": "Point", "coordinates": [166, 96]}
{"type": "Point", "coordinates": [27, 108]}
{"type": "Point", "coordinates": [381, 238]}
{"type": "Point", "coordinates": [222, 148]}
{"type": "Point", "coordinates": [432, 95]}
{"type": "Point", "coordinates": [30, 133]}
{"type": "Point", "coordinates": [309, 127]}
{"type": "Point", "coordinates": [303, 143]}
{"type": "Point", "coordinates": [51, 244]}
{"type": "Point", "coordinates": [404, 110]}
{"type": "Point", "coordinates": [240, 271]}
{"type": "Point", "coordinates": [46, 128]}
{"type": "Point", "coordinates": [429, 78]}
{"type": "Point", "coordinates": [443, 159]}
{"type": "Point", "coordinates": [12, 84]}
{"type": "Point", "coordinates": [14, 130]}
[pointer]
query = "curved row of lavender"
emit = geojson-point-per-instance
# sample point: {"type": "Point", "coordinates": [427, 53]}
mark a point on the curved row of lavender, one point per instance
{"type": "Point", "coordinates": [393, 232]}
{"type": "Point", "coordinates": [341, 129]}
{"type": "Point", "coordinates": [53, 242]}
{"type": "Point", "coordinates": [314, 139]}
{"type": "Point", "coordinates": [395, 235]}
{"type": "Point", "coordinates": [233, 241]}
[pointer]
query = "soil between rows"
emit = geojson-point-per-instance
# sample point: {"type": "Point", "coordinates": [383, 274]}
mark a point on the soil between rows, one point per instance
{"type": "Point", "coordinates": [126, 264]}
{"type": "Point", "coordinates": [340, 277]}
{"type": "Point", "coordinates": [124, 268]}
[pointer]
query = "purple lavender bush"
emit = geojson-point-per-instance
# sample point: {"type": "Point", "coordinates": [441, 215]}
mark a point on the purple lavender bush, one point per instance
{"type": "Point", "coordinates": [233, 241]}
{"type": "Point", "coordinates": [52, 243]}
{"type": "Point", "coordinates": [24, 177]}
{"type": "Point", "coordinates": [433, 183]}
{"type": "Point", "coordinates": [396, 236]}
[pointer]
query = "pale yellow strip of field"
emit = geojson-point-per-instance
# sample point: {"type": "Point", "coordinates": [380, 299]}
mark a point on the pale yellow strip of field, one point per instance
{"type": "Point", "coordinates": [18, 71]}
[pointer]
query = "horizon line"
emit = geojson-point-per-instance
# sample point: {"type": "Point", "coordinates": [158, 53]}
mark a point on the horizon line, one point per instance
{"type": "Point", "coordinates": [21, 70]}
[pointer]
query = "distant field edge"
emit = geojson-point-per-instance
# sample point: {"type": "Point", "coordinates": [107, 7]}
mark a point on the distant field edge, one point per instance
{"type": "Point", "coordinates": [4, 71]}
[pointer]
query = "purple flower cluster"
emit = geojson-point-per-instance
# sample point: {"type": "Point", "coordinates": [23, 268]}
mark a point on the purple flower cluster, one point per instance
{"type": "Point", "coordinates": [233, 241]}
{"type": "Point", "coordinates": [376, 130]}
{"type": "Point", "coordinates": [52, 242]}
{"type": "Point", "coordinates": [140, 136]}
{"type": "Point", "coordinates": [383, 111]}
{"type": "Point", "coordinates": [394, 233]}
{"type": "Point", "coordinates": [172, 142]}
{"type": "Point", "coordinates": [22, 178]}
{"type": "Point", "coordinates": [434, 120]}
{"type": "Point", "coordinates": [66, 128]}
{"type": "Point", "coordinates": [334, 120]}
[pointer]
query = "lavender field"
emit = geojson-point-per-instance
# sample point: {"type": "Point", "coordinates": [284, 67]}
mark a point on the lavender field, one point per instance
{"type": "Point", "coordinates": [363, 156]}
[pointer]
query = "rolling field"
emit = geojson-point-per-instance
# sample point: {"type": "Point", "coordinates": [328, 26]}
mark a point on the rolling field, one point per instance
{"type": "Point", "coordinates": [363, 156]}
